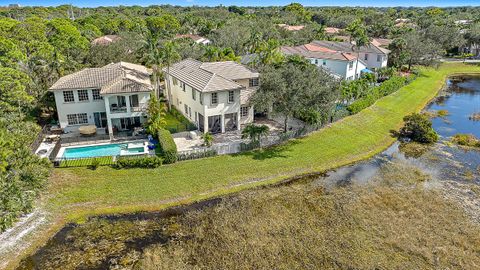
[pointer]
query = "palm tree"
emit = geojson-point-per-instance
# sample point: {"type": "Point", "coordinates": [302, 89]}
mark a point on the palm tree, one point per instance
{"type": "Point", "coordinates": [151, 56]}
{"type": "Point", "coordinates": [207, 139]}
{"type": "Point", "coordinates": [358, 39]}
{"type": "Point", "coordinates": [168, 57]}
{"type": "Point", "coordinates": [254, 132]}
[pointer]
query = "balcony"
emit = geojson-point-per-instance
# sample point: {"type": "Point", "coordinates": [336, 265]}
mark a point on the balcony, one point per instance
{"type": "Point", "coordinates": [123, 109]}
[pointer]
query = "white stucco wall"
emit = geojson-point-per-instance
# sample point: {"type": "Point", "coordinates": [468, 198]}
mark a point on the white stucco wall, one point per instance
{"type": "Point", "coordinates": [181, 98]}
{"type": "Point", "coordinates": [76, 107]}
{"type": "Point", "coordinates": [372, 62]}
{"type": "Point", "coordinates": [91, 106]}
{"type": "Point", "coordinates": [339, 67]}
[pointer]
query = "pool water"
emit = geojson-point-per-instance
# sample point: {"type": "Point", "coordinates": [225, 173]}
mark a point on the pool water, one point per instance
{"type": "Point", "coordinates": [100, 151]}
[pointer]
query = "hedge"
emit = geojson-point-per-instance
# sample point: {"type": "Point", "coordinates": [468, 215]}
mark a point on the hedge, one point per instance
{"type": "Point", "coordinates": [168, 148]}
{"type": "Point", "coordinates": [138, 162]}
{"type": "Point", "coordinates": [385, 89]}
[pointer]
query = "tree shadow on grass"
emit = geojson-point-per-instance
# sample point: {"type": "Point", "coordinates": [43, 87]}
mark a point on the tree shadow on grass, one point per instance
{"type": "Point", "coordinates": [278, 151]}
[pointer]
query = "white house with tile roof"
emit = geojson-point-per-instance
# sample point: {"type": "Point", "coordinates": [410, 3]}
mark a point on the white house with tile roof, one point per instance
{"type": "Point", "coordinates": [213, 95]}
{"type": "Point", "coordinates": [114, 97]}
{"type": "Point", "coordinates": [373, 55]}
{"type": "Point", "coordinates": [338, 64]}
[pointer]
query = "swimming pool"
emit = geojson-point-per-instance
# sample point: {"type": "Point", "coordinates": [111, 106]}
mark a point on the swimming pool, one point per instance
{"type": "Point", "coordinates": [114, 149]}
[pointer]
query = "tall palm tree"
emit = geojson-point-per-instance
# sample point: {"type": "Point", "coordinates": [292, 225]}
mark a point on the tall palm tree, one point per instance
{"type": "Point", "coordinates": [254, 132]}
{"type": "Point", "coordinates": [151, 56]}
{"type": "Point", "coordinates": [169, 56]}
{"type": "Point", "coordinates": [358, 39]}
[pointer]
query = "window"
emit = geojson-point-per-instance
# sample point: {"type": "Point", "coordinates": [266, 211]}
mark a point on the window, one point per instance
{"type": "Point", "coordinates": [201, 99]}
{"type": "Point", "coordinates": [196, 117]}
{"type": "Point", "coordinates": [189, 112]}
{"type": "Point", "coordinates": [82, 95]}
{"type": "Point", "coordinates": [96, 94]}
{"type": "Point", "coordinates": [72, 119]}
{"type": "Point", "coordinates": [350, 65]}
{"type": "Point", "coordinates": [379, 58]}
{"type": "Point", "coordinates": [68, 96]}
{"type": "Point", "coordinates": [194, 94]}
{"type": "Point", "coordinates": [316, 61]}
{"type": "Point", "coordinates": [82, 118]}
{"type": "Point", "coordinates": [231, 96]}
{"type": "Point", "coordinates": [214, 98]}
{"type": "Point", "coordinates": [243, 111]}
{"type": "Point", "coordinates": [324, 62]}
{"type": "Point", "coordinates": [76, 119]}
{"type": "Point", "coordinates": [175, 81]}
{"type": "Point", "coordinates": [182, 85]}
{"type": "Point", "coordinates": [185, 108]}
{"type": "Point", "coordinates": [253, 82]}
{"type": "Point", "coordinates": [134, 101]}
{"type": "Point", "coordinates": [366, 57]}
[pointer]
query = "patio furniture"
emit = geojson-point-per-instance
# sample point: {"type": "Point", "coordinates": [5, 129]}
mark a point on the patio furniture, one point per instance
{"type": "Point", "coordinates": [56, 130]}
{"type": "Point", "coordinates": [52, 138]}
{"type": "Point", "coordinates": [89, 130]}
{"type": "Point", "coordinates": [192, 135]}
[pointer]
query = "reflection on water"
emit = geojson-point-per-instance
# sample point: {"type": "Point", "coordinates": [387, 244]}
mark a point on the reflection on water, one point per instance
{"type": "Point", "coordinates": [461, 101]}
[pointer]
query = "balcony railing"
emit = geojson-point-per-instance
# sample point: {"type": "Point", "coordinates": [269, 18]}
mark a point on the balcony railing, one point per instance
{"type": "Point", "coordinates": [118, 109]}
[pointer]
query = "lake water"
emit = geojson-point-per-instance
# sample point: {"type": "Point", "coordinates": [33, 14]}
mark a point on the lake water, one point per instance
{"type": "Point", "coordinates": [130, 234]}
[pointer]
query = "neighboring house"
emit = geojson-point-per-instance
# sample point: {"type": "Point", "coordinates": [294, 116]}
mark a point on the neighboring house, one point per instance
{"type": "Point", "coordinates": [293, 28]}
{"type": "Point", "coordinates": [196, 38]}
{"type": "Point", "coordinates": [339, 64]}
{"type": "Point", "coordinates": [106, 40]}
{"type": "Point", "coordinates": [333, 30]}
{"type": "Point", "coordinates": [114, 97]}
{"type": "Point", "coordinates": [381, 42]}
{"type": "Point", "coordinates": [373, 56]}
{"type": "Point", "coordinates": [213, 95]}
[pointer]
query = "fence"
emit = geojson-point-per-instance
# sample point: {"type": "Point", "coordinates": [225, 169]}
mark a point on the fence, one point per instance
{"type": "Point", "coordinates": [99, 138]}
{"type": "Point", "coordinates": [182, 127]}
{"type": "Point", "coordinates": [241, 146]}
{"type": "Point", "coordinates": [85, 162]}
{"type": "Point", "coordinates": [39, 139]}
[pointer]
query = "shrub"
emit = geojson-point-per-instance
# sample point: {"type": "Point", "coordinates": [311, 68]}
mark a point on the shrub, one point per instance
{"type": "Point", "coordinates": [138, 162]}
{"type": "Point", "coordinates": [466, 140]}
{"type": "Point", "coordinates": [385, 89]}
{"type": "Point", "coordinates": [418, 128]}
{"type": "Point", "coordinates": [94, 164]}
{"type": "Point", "coordinates": [168, 148]}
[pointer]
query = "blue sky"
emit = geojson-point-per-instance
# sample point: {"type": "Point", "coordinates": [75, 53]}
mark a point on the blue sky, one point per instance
{"type": "Point", "coordinates": [93, 3]}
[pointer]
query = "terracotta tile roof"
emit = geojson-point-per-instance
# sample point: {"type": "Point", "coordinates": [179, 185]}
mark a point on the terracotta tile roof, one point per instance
{"type": "Point", "coordinates": [291, 27]}
{"type": "Point", "coordinates": [347, 47]}
{"type": "Point", "coordinates": [195, 38]}
{"type": "Point", "coordinates": [381, 42]}
{"type": "Point", "coordinates": [118, 77]}
{"type": "Point", "coordinates": [321, 54]}
{"type": "Point", "coordinates": [210, 76]}
{"type": "Point", "coordinates": [105, 40]}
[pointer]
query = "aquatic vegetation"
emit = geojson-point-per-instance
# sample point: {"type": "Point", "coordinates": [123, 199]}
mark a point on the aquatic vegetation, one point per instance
{"type": "Point", "coordinates": [468, 140]}
{"type": "Point", "coordinates": [413, 149]}
{"type": "Point", "coordinates": [475, 116]}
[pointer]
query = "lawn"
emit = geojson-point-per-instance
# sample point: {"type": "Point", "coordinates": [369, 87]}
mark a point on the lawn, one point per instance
{"type": "Point", "coordinates": [176, 122]}
{"type": "Point", "coordinates": [357, 137]}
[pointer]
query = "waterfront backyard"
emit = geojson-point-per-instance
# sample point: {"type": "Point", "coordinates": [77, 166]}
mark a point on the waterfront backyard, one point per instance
{"type": "Point", "coordinates": [389, 211]}
{"type": "Point", "coordinates": [80, 192]}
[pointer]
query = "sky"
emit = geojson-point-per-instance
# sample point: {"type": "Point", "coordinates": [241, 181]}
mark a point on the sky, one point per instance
{"type": "Point", "coordinates": [377, 3]}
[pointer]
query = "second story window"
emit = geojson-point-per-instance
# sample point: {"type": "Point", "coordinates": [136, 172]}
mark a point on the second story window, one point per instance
{"type": "Point", "coordinates": [350, 65]}
{"type": "Point", "coordinates": [231, 96]}
{"type": "Point", "coordinates": [324, 62]}
{"type": "Point", "coordinates": [253, 82]}
{"type": "Point", "coordinates": [96, 94]}
{"type": "Point", "coordinates": [183, 86]}
{"type": "Point", "coordinates": [214, 98]}
{"type": "Point", "coordinates": [316, 61]}
{"type": "Point", "coordinates": [68, 96]}
{"type": "Point", "coordinates": [366, 57]}
{"type": "Point", "coordinates": [194, 94]}
{"type": "Point", "coordinates": [82, 95]}
{"type": "Point", "coordinates": [201, 99]}
{"type": "Point", "coordinates": [379, 58]}
{"type": "Point", "coordinates": [175, 81]}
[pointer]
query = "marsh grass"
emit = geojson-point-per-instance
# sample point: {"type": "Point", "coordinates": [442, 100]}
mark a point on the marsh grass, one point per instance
{"type": "Point", "coordinates": [468, 140]}
{"type": "Point", "coordinates": [413, 149]}
{"type": "Point", "coordinates": [391, 223]}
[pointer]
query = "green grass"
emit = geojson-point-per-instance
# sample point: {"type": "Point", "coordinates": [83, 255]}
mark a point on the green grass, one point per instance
{"type": "Point", "coordinates": [354, 138]}
{"type": "Point", "coordinates": [176, 122]}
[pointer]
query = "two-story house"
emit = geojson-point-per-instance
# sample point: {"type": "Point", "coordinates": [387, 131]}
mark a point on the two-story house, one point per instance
{"type": "Point", "coordinates": [213, 95]}
{"type": "Point", "coordinates": [338, 64]}
{"type": "Point", "coordinates": [373, 56]}
{"type": "Point", "coordinates": [113, 98]}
